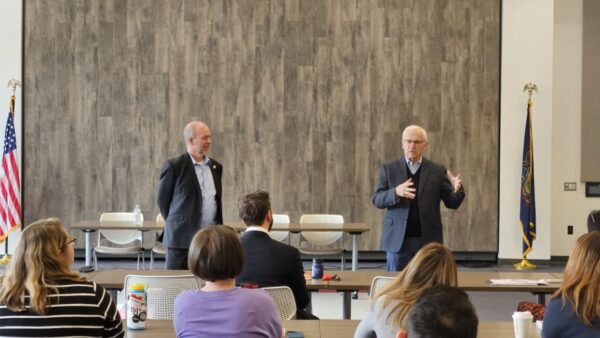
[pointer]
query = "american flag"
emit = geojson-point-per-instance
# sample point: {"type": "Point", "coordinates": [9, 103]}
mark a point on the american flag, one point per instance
{"type": "Point", "coordinates": [10, 186]}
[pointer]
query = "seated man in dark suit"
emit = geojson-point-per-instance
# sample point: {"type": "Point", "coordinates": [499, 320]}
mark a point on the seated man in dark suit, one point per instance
{"type": "Point", "coordinates": [269, 262]}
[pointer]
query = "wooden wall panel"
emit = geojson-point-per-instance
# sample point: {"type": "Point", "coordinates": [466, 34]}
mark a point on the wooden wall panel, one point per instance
{"type": "Point", "coordinates": [305, 99]}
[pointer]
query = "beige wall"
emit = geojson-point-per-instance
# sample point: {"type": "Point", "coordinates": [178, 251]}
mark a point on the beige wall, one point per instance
{"type": "Point", "coordinates": [10, 68]}
{"type": "Point", "coordinates": [568, 207]}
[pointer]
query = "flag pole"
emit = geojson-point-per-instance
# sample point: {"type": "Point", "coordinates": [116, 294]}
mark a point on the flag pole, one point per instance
{"type": "Point", "coordinates": [13, 84]}
{"type": "Point", "coordinates": [524, 264]}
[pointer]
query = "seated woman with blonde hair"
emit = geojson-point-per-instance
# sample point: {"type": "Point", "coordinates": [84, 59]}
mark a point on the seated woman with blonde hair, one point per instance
{"type": "Point", "coordinates": [40, 296]}
{"type": "Point", "coordinates": [574, 310]}
{"type": "Point", "coordinates": [432, 265]}
{"type": "Point", "coordinates": [219, 309]}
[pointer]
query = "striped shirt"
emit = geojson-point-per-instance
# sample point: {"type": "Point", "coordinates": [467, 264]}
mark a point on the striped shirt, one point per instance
{"type": "Point", "coordinates": [80, 309]}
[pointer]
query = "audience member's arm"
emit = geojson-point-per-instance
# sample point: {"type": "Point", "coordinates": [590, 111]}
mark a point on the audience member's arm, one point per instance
{"type": "Point", "coordinates": [113, 326]}
{"type": "Point", "coordinates": [365, 328]}
{"type": "Point", "coordinates": [298, 282]}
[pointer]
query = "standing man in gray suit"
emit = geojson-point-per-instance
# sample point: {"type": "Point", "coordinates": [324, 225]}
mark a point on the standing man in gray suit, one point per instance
{"type": "Point", "coordinates": [189, 194]}
{"type": "Point", "coordinates": [410, 189]}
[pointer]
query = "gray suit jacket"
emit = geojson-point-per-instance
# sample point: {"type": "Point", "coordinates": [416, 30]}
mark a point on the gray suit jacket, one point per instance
{"type": "Point", "coordinates": [180, 199]}
{"type": "Point", "coordinates": [434, 187]}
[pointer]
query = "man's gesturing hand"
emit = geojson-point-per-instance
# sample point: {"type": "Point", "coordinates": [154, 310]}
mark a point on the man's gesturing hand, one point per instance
{"type": "Point", "coordinates": [406, 189]}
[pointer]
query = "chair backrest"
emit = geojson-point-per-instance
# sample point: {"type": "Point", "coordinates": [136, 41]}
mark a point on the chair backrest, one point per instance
{"type": "Point", "coordinates": [378, 284]}
{"type": "Point", "coordinates": [119, 237]}
{"type": "Point", "coordinates": [284, 301]}
{"type": "Point", "coordinates": [162, 290]}
{"type": "Point", "coordinates": [160, 220]}
{"type": "Point", "coordinates": [280, 235]}
{"type": "Point", "coordinates": [322, 237]}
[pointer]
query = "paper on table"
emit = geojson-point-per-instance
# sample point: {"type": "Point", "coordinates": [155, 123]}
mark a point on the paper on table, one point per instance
{"type": "Point", "coordinates": [518, 282]}
{"type": "Point", "coordinates": [552, 280]}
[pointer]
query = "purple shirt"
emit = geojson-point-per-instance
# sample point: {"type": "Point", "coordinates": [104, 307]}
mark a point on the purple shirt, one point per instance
{"type": "Point", "coordinates": [229, 313]}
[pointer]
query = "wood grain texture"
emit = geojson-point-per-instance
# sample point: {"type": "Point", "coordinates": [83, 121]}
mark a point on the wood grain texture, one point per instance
{"type": "Point", "coordinates": [305, 99]}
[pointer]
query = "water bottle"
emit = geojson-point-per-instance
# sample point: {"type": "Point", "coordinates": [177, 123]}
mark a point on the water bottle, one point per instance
{"type": "Point", "coordinates": [136, 307]}
{"type": "Point", "coordinates": [137, 215]}
{"type": "Point", "coordinates": [317, 268]}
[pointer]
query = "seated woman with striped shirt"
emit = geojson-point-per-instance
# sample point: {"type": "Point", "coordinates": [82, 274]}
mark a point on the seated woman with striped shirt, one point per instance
{"type": "Point", "coordinates": [40, 296]}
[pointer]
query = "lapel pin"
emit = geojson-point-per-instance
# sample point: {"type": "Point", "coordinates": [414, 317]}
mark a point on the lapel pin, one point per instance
{"type": "Point", "coordinates": [214, 167]}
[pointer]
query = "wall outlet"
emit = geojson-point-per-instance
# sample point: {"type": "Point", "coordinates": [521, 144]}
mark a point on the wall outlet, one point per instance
{"type": "Point", "coordinates": [569, 186]}
{"type": "Point", "coordinates": [569, 229]}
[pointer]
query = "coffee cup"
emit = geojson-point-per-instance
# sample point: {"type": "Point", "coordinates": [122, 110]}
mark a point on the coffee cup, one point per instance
{"type": "Point", "coordinates": [523, 323]}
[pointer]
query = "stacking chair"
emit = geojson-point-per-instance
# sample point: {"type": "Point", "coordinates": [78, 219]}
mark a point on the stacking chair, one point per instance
{"type": "Point", "coordinates": [162, 290]}
{"type": "Point", "coordinates": [284, 301]}
{"type": "Point", "coordinates": [159, 247]}
{"type": "Point", "coordinates": [280, 235]}
{"type": "Point", "coordinates": [378, 284]}
{"type": "Point", "coordinates": [119, 242]}
{"type": "Point", "coordinates": [321, 243]}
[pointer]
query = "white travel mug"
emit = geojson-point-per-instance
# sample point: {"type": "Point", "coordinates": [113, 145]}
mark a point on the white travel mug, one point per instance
{"type": "Point", "coordinates": [523, 323]}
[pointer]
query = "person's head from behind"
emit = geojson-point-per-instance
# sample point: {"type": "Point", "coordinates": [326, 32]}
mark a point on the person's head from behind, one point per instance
{"type": "Point", "coordinates": [216, 254]}
{"type": "Point", "coordinates": [593, 221]}
{"type": "Point", "coordinates": [441, 312]}
{"type": "Point", "coordinates": [432, 265]}
{"type": "Point", "coordinates": [581, 286]}
{"type": "Point", "coordinates": [255, 209]}
{"type": "Point", "coordinates": [44, 252]}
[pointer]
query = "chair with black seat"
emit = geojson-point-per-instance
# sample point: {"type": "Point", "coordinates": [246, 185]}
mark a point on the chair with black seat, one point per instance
{"type": "Point", "coordinates": [159, 247]}
{"type": "Point", "coordinates": [119, 242]}
{"type": "Point", "coordinates": [323, 243]}
{"type": "Point", "coordinates": [280, 236]}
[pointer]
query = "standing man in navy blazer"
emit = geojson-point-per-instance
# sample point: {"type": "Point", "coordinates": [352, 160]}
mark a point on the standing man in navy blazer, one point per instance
{"type": "Point", "coordinates": [189, 194]}
{"type": "Point", "coordinates": [410, 189]}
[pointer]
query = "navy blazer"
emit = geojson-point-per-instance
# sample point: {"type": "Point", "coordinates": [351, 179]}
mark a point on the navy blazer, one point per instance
{"type": "Point", "coordinates": [180, 199]}
{"type": "Point", "coordinates": [272, 263]}
{"type": "Point", "coordinates": [434, 186]}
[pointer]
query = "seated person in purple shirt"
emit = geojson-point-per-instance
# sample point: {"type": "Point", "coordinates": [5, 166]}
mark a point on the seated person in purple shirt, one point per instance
{"type": "Point", "coordinates": [219, 309]}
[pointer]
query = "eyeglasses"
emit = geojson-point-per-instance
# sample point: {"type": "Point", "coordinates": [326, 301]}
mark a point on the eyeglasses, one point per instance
{"type": "Point", "coordinates": [416, 142]}
{"type": "Point", "coordinates": [72, 240]}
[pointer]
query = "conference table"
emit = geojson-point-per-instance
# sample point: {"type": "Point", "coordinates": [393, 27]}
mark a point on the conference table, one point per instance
{"type": "Point", "coordinates": [350, 281]}
{"type": "Point", "coordinates": [354, 229]}
{"type": "Point", "coordinates": [90, 226]}
{"type": "Point", "coordinates": [324, 328]}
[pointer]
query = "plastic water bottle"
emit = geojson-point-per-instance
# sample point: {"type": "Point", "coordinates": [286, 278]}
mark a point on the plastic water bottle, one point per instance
{"type": "Point", "coordinates": [317, 268]}
{"type": "Point", "coordinates": [137, 215]}
{"type": "Point", "coordinates": [136, 307]}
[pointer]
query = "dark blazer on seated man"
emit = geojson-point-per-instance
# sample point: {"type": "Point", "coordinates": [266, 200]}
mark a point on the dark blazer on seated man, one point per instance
{"type": "Point", "coordinates": [272, 263]}
{"type": "Point", "coordinates": [269, 262]}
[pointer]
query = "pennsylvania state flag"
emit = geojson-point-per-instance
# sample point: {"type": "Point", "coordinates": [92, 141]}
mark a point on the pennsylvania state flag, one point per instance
{"type": "Point", "coordinates": [527, 213]}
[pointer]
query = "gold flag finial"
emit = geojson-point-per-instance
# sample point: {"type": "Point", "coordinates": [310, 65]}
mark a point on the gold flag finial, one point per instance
{"type": "Point", "coordinates": [13, 84]}
{"type": "Point", "coordinates": [530, 88]}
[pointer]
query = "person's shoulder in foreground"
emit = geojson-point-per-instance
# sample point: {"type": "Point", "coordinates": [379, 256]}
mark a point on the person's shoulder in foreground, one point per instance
{"type": "Point", "coordinates": [574, 310]}
{"type": "Point", "coordinates": [560, 321]}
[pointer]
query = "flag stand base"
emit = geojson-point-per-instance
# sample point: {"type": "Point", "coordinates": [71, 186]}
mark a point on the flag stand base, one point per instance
{"type": "Point", "coordinates": [5, 259]}
{"type": "Point", "coordinates": [524, 265]}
